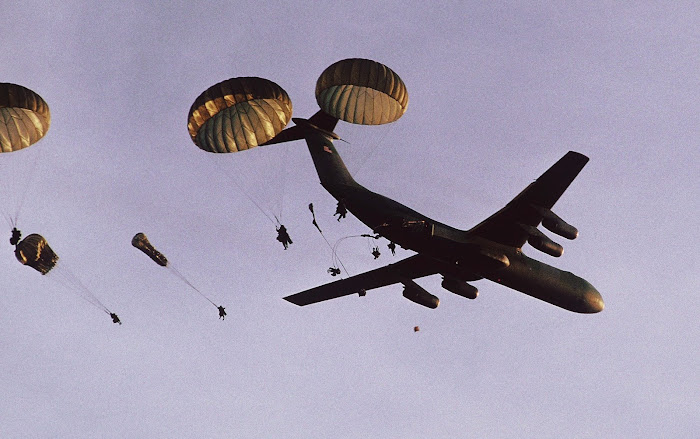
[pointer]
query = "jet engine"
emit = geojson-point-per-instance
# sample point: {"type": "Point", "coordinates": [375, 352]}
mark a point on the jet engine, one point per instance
{"type": "Point", "coordinates": [415, 293]}
{"type": "Point", "coordinates": [460, 288]}
{"type": "Point", "coordinates": [541, 242]}
{"type": "Point", "coordinates": [554, 224]}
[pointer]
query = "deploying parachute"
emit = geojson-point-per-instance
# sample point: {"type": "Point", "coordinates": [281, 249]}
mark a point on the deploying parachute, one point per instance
{"type": "Point", "coordinates": [35, 252]}
{"type": "Point", "coordinates": [361, 91]}
{"type": "Point", "coordinates": [24, 117]}
{"type": "Point", "coordinates": [238, 114]}
{"type": "Point", "coordinates": [140, 241]}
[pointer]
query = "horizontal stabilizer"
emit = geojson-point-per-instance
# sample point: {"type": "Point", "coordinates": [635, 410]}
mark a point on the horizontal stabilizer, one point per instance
{"type": "Point", "coordinates": [287, 135]}
{"type": "Point", "coordinates": [320, 122]}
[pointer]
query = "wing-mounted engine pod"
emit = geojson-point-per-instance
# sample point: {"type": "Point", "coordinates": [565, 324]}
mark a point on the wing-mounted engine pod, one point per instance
{"type": "Point", "coordinates": [415, 293]}
{"type": "Point", "coordinates": [541, 242]}
{"type": "Point", "coordinates": [460, 288]}
{"type": "Point", "coordinates": [554, 224]}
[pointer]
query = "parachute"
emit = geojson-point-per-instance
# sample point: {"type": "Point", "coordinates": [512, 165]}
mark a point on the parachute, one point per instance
{"type": "Point", "coordinates": [24, 117]}
{"type": "Point", "coordinates": [361, 91]}
{"type": "Point", "coordinates": [141, 242]}
{"type": "Point", "coordinates": [35, 252]}
{"type": "Point", "coordinates": [238, 114]}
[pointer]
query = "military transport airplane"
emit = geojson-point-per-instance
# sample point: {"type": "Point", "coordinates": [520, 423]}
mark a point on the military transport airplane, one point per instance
{"type": "Point", "coordinates": [490, 250]}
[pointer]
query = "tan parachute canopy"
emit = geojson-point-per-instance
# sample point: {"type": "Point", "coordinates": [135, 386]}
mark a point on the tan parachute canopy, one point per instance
{"type": "Point", "coordinates": [24, 117]}
{"type": "Point", "coordinates": [141, 242]}
{"type": "Point", "coordinates": [35, 252]}
{"type": "Point", "coordinates": [238, 114]}
{"type": "Point", "coordinates": [361, 91]}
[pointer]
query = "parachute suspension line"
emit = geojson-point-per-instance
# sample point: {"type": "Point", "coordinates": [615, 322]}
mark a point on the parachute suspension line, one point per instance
{"type": "Point", "coordinates": [260, 208]}
{"type": "Point", "coordinates": [69, 280]}
{"type": "Point", "coordinates": [8, 218]}
{"type": "Point", "coordinates": [245, 192]}
{"type": "Point", "coordinates": [6, 190]}
{"type": "Point", "coordinates": [283, 184]}
{"type": "Point", "coordinates": [335, 260]}
{"type": "Point", "coordinates": [17, 191]}
{"type": "Point", "coordinates": [25, 187]}
{"type": "Point", "coordinates": [9, 199]}
{"type": "Point", "coordinates": [178, 274]}
{"type": "Point", "coordinates": [335, 250]}
{"type": "Point", "coordinates": [337, 243]}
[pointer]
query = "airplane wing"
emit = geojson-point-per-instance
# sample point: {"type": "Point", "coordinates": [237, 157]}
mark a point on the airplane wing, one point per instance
{"type": "Point", "coordinates": [504, 226]}
{"type": "Point", "coordinates": [409, 268]}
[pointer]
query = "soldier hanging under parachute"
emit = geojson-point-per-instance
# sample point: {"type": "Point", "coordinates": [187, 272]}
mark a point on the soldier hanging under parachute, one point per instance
{"type": "Point", "coordinates": [16, 236]}
{"type": "Point", "coordinates": [283, 236]}
{"type": "Point", "coordinates": [341, 210]}
{"type": "Point", "coordinates": [239, 114]}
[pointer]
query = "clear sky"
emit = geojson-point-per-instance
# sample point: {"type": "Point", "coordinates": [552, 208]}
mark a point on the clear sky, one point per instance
{"type": "Point", "coordinates": [498, 93]}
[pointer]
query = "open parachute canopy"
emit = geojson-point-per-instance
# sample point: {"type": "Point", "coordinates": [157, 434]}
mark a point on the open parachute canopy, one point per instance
{"type": "Point", "coordinates": [24, 117]}
{"type": "Point", "coordinates": [361, 91]}
{"type": "Point", "coordinates": [141, 242]}
{"type": "Point", "coordinates": [238, 114]}
{"type": "Point", "coordinates": [35, 252]}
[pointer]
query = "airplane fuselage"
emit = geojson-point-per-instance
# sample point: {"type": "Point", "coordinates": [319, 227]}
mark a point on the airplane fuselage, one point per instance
{"type": "Point", "coordinates": [459, 254]}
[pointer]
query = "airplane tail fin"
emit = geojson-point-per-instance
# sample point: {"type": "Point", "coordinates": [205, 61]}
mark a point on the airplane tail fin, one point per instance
{"type": "Point", "coordinates": [324, 121]}
{"type": "Point", "coordinates": [319, 136]}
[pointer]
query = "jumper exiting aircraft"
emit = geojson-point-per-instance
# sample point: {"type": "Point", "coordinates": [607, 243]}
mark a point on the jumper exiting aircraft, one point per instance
{"type": "Point", "coordinates": [367, 92]}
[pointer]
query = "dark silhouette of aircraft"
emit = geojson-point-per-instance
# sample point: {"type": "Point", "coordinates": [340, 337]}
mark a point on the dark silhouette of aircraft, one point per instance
{"type": "Point", "coordinates": [491, 250]}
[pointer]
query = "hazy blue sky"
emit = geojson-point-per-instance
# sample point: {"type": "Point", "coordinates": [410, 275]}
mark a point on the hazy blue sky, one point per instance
{"type": "Point", "coordinates": [498, 93]}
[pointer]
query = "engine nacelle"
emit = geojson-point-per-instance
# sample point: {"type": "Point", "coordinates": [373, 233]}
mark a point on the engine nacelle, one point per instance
{"type": "Point", "coordinates": [415, 293]}
{"type": "Point", "coordinates": [541, 242]}
{"type": "Point", "coordinates": [554, 224]}
{"type": "Point", "coordinates": [460, 288]}
{"type": "Point", "coordinates": [546, 245]}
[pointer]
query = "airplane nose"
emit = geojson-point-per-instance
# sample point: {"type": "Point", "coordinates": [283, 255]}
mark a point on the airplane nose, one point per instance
{"type": "Point", "coordinates": [593, 301]}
